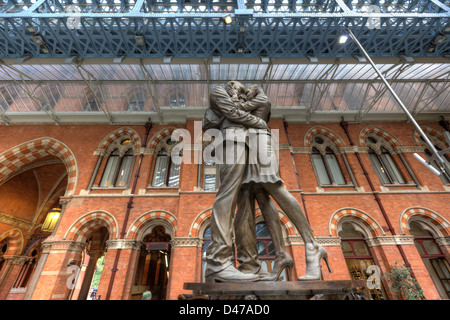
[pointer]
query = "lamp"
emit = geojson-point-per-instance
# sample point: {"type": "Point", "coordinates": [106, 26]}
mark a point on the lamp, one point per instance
{"type": "Point", "coordinates": [51, 220]}
{"type": "Point", "coordinates": [343, 37]}
{"type": "Point", "coordinates": [312, 58]}
{"type": "Point", "coordinates": [440, 38]}
{"type": "Point", "coordinates": [215, 58]}
{"type": "Point", "coordinates": [31, 29]}
{"type": "Point", "coordinates": [360, 58]}
{"type": "Point", "coordinates": [140, 41]}
{"type": "Point", "coordinates": [23, 58]}
{"type": "Point", "coordinates": [264, 58]}
{"type": "Point", "coordinates": [446, 29]}
{"type": "Point", "coordinates": [406, 58]}
{"type": "Point", "coordinates": [167, 58]}
{"type": "Point", "coordinates": [38, 40]}
{"type": "Point", "coordinates": [70, 59]}
{"type": "Point", "coordinates": [118, 59]}
{"type": "Point", "coordinates": [227, 18]}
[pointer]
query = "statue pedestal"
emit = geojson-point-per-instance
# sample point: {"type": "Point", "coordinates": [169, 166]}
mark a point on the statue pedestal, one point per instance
{"type": "Point", "coordinates": [289, 290]}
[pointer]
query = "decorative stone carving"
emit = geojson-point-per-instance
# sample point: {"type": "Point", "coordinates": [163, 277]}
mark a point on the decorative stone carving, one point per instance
{"type": "Point", "coordinates": [329, 241]}
{"type": "Point", "coordinates": [294, 241]}
{"type": "Point", "coordinates": [16, 260]}
{"type": "Point", "coordinates": [62, 245]}
{"type": "Point", "coordinates": [186, 242]}
{"type": "Point", "coordinates": [443, 241]}
{"type": "Point", "coordinates": [323, 241]}
{"type": "Point", "coordinates": [15, 222]}
{"type": "Point", "coordinates": [390, 241]}
{"type": "Point", "coordinates": [123, 244]}
{"type": "Point", "coordinates": [403, 149]}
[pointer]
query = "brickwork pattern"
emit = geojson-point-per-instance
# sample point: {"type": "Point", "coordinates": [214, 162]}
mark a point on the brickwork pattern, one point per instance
{"type": "Point", "coordinates": [26, 153]}
{"type": "Point", "coordinates": [367, 220]}
{"type": "Point", "coordinates": [15, 241]}
{"type": "Point", "coordinates": [81, 229]}
{"type": "Point", "coordinates": [429, 215]}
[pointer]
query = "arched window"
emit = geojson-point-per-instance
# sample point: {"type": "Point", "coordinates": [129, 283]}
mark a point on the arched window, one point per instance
{"type": "Point", "coordinates": [439, 145]}
{"type": "Point", "coordinates": [118, 166]}
{"type": "Point", "coordinates": [166, 172]}
{"type": "Point", "coordinates": [91, 105]}
{"type": "Point", "coordinates": [210, 174]}
{"type": "Point", "coordinates": [206, 243]}
{"type": "Point", "coordinates": [136, 102]}
{"type": "Point", "coordinates": [432, 257]}
{"type": "Point", "coordinates": [326, 165]}
{"type": "Point", "coordinates": [266, 250]}
{"type": "Point", "coordinates": [26, 271]}
{"type": "Point", "coordinates": [383, 162]}
{"type": "Point", "coordinates": [177, 100]}
{"type": "Point", "coordinates": [358, 256]}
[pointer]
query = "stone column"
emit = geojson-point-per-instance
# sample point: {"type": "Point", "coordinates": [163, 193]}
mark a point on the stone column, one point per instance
{"type": "Point", "coordinates": [121, 288]}
{"type": "Point", "coordinates": [61, 270]}
{"type": "Point", "coordinates": [94, 255]}
{"type": "Point", "coordinates": [184, 260]}
{"type": "Point", "coordinates": [385, 249]}
{"type": "Point", "coordinates": [10, 271]}
{"type": "Point", "coordinates": [64, 201]}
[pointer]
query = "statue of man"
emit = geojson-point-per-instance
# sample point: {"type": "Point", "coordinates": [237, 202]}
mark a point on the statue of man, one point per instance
{"type": "Point", "coordinates": [234, 154]}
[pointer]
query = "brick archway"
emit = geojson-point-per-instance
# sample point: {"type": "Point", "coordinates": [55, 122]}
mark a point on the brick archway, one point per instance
{"type": "Point", "coordinates": [124, 132]}
{"type": "Point", "coordinates": [15, 241]}
{"type": "Point", "coordinates": [151, 216]}
{"type": "Point", "coordinates": [437, 220]}
{"type": "Point", "coordinates": [201, 220]}
{"type": "Point", "coordinates": [372, 226]}
{"type": "Point", "coordinates": [158, 137]}
{"type": "Point", "coordinates": [435, 134]}
{"type": "Point", "coordinates": [82, 228]}
{"type": "Point", "coordinates": [393, 142]}
{"type": "Point", "coordinates": [25, 153]}
{"type": "Point", "coordinates": [324, 131]}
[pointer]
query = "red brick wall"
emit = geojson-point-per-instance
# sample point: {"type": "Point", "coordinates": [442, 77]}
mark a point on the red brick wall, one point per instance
{"type": "Point", "coordinates": [187, 203]}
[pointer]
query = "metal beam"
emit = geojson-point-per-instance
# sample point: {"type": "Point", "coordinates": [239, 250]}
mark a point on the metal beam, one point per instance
{"type": "Point", "coordinates": [399, 101]}
{"type": "Point", "coordinates": [382, 89]}
{"type": "Point", "coordinates": [88, 79]}
{"type": "Point", "coordinates": [195, 33]}
{"type": "Point", "coordinates": [322, 87]}
{"type": "Point", "coordinates": [23, 85]}
{"type": "Point", "coordinates": [151, 85]}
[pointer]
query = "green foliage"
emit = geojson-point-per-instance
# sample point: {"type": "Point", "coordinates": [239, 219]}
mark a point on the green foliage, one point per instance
{"type": "Point", "coordinates": [403, 283]}
{"type": "Point", "coordinates": [98, 272]}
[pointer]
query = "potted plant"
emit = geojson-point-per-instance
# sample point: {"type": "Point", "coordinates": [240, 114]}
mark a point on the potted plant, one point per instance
{"type": "Point", "coordinates": [403, 284]}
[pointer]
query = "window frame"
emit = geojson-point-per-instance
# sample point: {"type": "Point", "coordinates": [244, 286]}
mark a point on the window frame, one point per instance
{"type": "Point", "coordinates": [122, 148]}
{"type": "Point", "coordinates": [431, 257]}
{"type": "Point", "coordinates": [138, 99]}
{"type": "Point", "coordinates": [204, 166]}
{"type": "Point", "coordinates": [118, 167]}
{"type": "Point", "coordinates": [328, 171]}
{"type": "Point", "coordinates": [379, 147]}
{"type": "Point", "coordinates": [327, 147]}
{"type": "Point", "coordinates": [351, 241]}
{"type": "Point", "coordinates": [168, 148]}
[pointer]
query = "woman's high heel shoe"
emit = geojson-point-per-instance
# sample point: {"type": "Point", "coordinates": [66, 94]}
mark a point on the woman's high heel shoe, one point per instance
{"type": "Point", "coordinates": [286, 262]}
{"type": "Point", "coordinates": [314, 255]}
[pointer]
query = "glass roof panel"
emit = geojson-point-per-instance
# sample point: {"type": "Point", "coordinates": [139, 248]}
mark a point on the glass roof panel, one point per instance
{"type": "Point", "coordinates": [224, 72]}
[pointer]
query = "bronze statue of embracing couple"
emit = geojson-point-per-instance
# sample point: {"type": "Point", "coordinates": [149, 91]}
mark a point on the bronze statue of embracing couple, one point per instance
{"type": "Point", "coordinates": [248, 171]}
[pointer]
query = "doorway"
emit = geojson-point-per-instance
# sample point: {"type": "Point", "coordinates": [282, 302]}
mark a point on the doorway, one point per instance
{"type": "Point", "coordinates": [152, 272]}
